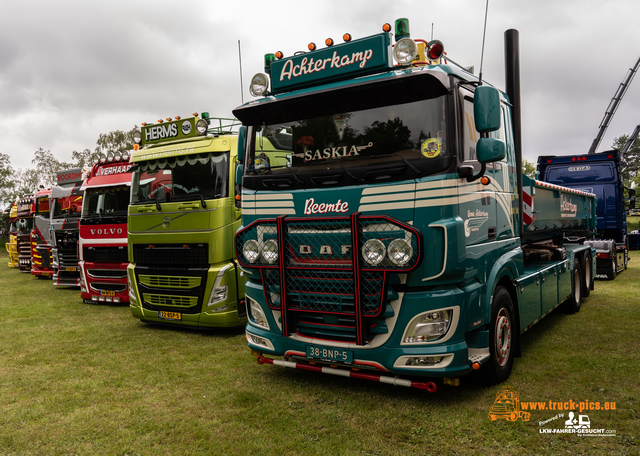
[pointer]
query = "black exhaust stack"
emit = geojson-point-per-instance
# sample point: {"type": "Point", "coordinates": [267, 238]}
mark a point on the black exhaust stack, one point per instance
{"type": "Point", "coordinates": [512, 82]}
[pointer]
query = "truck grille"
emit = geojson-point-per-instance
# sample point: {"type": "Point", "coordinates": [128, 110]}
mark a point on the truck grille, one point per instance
{"type": "Point", "coordinates": [106, 254]}
{"type": "Point", "coordinates": [190, 255]}
{"type": "Point", "coordinates": [323, 287]}
{"type": "Point", "coordinates": [172, 288]}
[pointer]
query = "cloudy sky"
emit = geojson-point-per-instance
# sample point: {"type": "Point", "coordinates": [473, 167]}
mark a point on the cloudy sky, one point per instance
{"type": "Point", "coordinates": [71, 70]}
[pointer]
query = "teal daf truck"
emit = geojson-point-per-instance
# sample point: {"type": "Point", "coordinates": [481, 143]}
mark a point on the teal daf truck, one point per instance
{"type": "Point", "coordinates": [181, 220]}
{"type": "Point", "coordinates": [388, 232]}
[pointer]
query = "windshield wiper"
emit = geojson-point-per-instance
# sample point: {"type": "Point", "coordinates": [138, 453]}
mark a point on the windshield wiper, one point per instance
{"type": "Point", "coordinates": [351, 175]}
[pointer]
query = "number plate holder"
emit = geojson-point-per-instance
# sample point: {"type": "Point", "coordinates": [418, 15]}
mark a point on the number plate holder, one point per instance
{"type": "Point", "coordinates": [336, 355]}
{"type": "Point", "coordinates": [163, 314]}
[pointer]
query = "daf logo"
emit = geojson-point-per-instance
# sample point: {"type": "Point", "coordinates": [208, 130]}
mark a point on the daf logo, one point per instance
{"type": "Point", "coordinates": [305, 249]}
{"type": "Point", "coordinates": [166, 222]}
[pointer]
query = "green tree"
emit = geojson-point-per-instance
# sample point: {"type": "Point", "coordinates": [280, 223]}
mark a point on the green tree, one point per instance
{"type": "Point", "coordinates": [115, 141]}
{"type": "Point", "coordinates": [7, 182]}
{"type": "Point", "coordinates": [631, 168]}
{"type": "Point", "coordinates": [529, 168]}
{"type": "Point", "coordinates": [47, 167]}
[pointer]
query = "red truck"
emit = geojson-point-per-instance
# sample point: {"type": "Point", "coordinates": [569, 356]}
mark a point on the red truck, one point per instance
{"type": "Point", "coordinates": [103, 231]}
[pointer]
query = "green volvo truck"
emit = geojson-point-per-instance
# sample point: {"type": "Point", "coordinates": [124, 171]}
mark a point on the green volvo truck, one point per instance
{"type": "Point", "coordinates": [182, 218]}
{"type": "Point", "coordinates": [382, 207]}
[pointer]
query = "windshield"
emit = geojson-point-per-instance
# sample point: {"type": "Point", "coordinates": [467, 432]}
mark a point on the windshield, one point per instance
{"type": "Point", "coordinates": [24, 225]}
{"type": "Point", "coordinates": [106, 201]}
{"type": "Point", "coordinates": [42, 207]}
{"type": "Point", "coordinates": [390, 142]}
{"type": "Point", "coordinates": [201, 176]}
{"type": "Point", "coordinates": [66, 207]}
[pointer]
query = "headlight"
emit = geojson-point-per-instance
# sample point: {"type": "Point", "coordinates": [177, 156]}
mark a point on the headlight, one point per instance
{"type": "Point", "coordinates": [428, 326]}
{"type": "Point", "coordinates": [270, 251]}
{"type": "Point", "coordinates": [399, 252]}
{"type": "Point", "coordinates": [405, 51]}
{"type": "Point", "coordinates": [259, 84]}
{"type": "Point", "coordinates": [202, 126]}
{"type": "Point", "coordinates": [256, 314]}
{"type": "Point", "coordinates": [137, 136]}
{"type": "Point", "coordinates": [373, 252]}
{"type": "Point", "coordinates": [251, 251]}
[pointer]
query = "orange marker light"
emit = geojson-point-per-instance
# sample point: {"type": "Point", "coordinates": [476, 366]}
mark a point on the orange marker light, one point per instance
{"type": "Point", "coordinates": [475, 366]}
{"type": "Point", "coordinates": [168, 119]}
{"type": "Point", "coordinates": [484, 180]}
{"type": "Point", "coordinates": [144, 124]}
{"type": "Point", "coordinates": [178, 117]}
{"type": "Point", "coordinates": [279, 55]}
{"type": "Point", "coordinates": [386, 27]}
{"type": "Point", "coordinates": [328, 42]}
{"type": "Point", "coordinates": [195, 114]}
{"type": "Point", "coordinates": [238, 197]}
{"type": "Point", "coordinates": [346, 37]}
{"type": "Point", "coordinates": [312, 46]}
{"type": "Point", "coordinates": [159, 120]}
{"type": "Point", "coordinates": [136, 147]}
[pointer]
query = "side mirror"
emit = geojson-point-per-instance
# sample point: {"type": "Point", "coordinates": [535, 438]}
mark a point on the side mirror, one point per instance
{"type": "Point", "coordinates": [242, 142]}
{"type": "Point", "coordinates": [486, 109]}
{"type": "Point", "coordinates": [239, 173]}
{"type": "Point", "coordinates": [632, 202]}
{"type": "Point", "coordinates": [490, 150]}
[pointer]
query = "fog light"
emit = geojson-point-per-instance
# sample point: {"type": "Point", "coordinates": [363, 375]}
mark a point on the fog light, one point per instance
{"type": "Point", "coordinates": [94, 298]}
{"type": "Point", "coordinates": [258, 340]}
{"type": "Point", "coordinates": [270, 251]}
{"type": "Point", "coordinates": [424, 360]}
{"type": "Point", "coordinates": [405, 51]}
{"type": "Point", "coordinates": [116, 299]}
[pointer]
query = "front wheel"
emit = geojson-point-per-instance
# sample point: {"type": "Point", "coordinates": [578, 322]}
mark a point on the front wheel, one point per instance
{"type": "Point", "coordinates": [498, 368]}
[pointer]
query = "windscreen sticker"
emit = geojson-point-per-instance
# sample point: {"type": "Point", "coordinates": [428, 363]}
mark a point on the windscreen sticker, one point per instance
{"type": "Point", "coordinates": [340, 122]}
{"type": "Point", "coordinates": [431, 147]}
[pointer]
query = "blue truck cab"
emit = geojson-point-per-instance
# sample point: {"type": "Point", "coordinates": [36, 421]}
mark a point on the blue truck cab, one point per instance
{"type": "Point", "coordinates": [600, 174]}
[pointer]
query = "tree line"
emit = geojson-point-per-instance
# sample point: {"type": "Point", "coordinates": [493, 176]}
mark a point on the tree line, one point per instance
{"type": "Point", "coordinates": [15, 183]}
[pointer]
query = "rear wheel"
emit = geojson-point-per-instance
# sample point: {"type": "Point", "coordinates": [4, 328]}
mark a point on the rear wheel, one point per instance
{"type": "Point", "coordinates": [574, 303]}
{"type": "Point", "coordinates": [588, 279]}
{"type": "Point", "coordinates": [613, 269]}
{"type": "Point", "coordinates": [501, 332]}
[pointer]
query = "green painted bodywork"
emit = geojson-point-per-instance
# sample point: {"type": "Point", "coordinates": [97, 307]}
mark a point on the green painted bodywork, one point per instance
{"type": "Point", "coordinates": [181, 226]}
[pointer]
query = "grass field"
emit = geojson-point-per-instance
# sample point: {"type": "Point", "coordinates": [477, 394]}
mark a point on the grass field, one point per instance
{"type": "Point", "coordinates": [83, 379]}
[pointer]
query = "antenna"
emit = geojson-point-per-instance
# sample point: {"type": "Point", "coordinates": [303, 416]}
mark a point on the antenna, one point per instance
{"type": "Point", "coordinates": [240, 60]}
{"type": "Point", "coordinates": [484, 34]}
{"type": "Point", "coordinates": [432, 31]}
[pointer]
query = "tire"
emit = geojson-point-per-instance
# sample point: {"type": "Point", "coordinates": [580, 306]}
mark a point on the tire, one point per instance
{"type": "Point", "coordinates": [613, 269]}
{"type": "Point", "coordinates": [588, 279]}
{"type": "Point", "coordinates": [573, 304]}
{"type": "Point", "coordinates": [498, 368]}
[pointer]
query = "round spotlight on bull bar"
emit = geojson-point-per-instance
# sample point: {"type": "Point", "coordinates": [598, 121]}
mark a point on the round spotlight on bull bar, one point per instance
{"type": "Point", "coordinates": [125, 156]}
{"type": "Point", "coordinates": [96, 159]}
{"type": "Point", "coordinates": [110, 157]}
{"type": "Point", "coordinates": [137, 136]}
{"type": "Point", "coordinates": [405, 51]}
{"type": "Point", "coordinates": [373, 252]}
{"type": "Point", "coordinates": [103, 159]}
{"type": "Point", "coordinates": [117, 156]}
{"type": "Point", "coordinates": [259, 84]}
{"type": "Point", "coordinates": [399, 252]}
{"type": "Point", "coordinates": [270, 251]}
{"type": "Point", "coordinates": [251, 250]}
